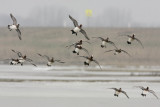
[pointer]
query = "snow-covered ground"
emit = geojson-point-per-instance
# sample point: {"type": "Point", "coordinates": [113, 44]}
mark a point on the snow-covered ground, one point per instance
{"type": "Point", "coordinates": [29, 86]}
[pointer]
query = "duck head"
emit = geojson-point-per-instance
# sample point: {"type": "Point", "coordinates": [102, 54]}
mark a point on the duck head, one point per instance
{"type": "Point", "coordinates": [24, 57]}
{"type": "Point", "coordinates": [80, 26]}
{"type": "Point", "coordinates": [52, 60]}
{"type": "Point", "coordinates": [147, 88]}
{"type": "Point", "coordinates": [80, 41]}
{"type": "Point", "coordinates": [133, 35]}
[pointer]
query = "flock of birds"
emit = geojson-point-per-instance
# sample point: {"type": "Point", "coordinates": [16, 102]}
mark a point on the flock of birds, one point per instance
{"type": "Point", "coordinates": [78, 47]}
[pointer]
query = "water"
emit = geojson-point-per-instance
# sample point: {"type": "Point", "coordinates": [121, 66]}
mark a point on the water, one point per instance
{"type": "Point", "coordinates": [72, 86]}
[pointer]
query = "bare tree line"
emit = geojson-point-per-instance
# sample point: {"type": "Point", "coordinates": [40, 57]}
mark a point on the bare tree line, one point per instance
{"type": "Point", "coordinates": [58, 17]}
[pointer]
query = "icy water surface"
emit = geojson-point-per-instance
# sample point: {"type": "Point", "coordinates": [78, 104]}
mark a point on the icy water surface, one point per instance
{"type": "Point", "coordinates": [72, 86]}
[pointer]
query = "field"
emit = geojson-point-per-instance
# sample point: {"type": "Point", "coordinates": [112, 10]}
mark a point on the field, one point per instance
{"type": "Point", "coordinates": [52, 42]}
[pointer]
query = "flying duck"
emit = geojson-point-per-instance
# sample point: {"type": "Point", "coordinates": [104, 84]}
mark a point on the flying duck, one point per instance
{"type": "Point", "coordinates": [78, 28]}
{"type": "Point", "coordinates": [146, 90]}
{"type": "Point", "coordinates": [79, 43]}
{"type": "Point", "coordinates": [132, 38]}
{"type": "Point", "coordinates": [12, 61]}
{"type": "Point", "coordinates": [22, 58]}
{"type": "Point", "coordinates": [118, 91]}
{"type": "Point", "coordinates": [78, 48]}
{"type": "Point", "coordinates": [15, 26]}
{"type": "Point", "coordinates": [89, 60]}
{"type": "Point", "coordinates": [104, 41]}
{"type": "Point", "coordinates": [50, 60]}
{"type": "Point", "coordinates": [117, 51]}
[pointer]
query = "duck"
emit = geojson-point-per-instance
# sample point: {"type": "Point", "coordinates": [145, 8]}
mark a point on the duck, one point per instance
{"type": "Point", "coordinates": [23, 58]}
{"type": "Point", "coordinates": [104, 41]}
{"type": "Point", "coordinates": [78, 28]}
{"type": "Point", "coordinates": [15, 26]}
{"type": "Point", "coordinates": [79, 43]}
{"type": "Point", "coordinates": [90, 59]}
{"type": "Point", "coordinates": [133, 38]}
{"type": "Point", "coordinates": [146, 90]}
{"type": "Point", "coordinates": [78, 48]}
{"type": "Point", "coordinates": [14, 61]}
{"type": "Point", "coordinates": [118, 51]}
{"type": "Point", "coordinates": [118, 91]}
{"type": "Point", "coordinates": [50, 60]}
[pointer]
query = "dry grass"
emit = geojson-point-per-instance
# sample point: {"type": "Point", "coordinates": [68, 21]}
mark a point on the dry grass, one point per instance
{"type": "Point", "coordinates": [52, 42]}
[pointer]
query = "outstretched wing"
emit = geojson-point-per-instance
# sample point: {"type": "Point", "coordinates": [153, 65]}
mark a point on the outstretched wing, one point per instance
{"type": "Point", "coordinates": [19, 33]}
{"type": "Point", "coordinates": [114, 89]}
{"type": "Point", "coordinates": [97, 64]}
{"type": "Point", "coordinates": [14, 19]}
{"type": "Point", "coordinates": [74, 21]}
{"type": "Point", "coordinates": [141, 87]}
{"type": "Point", "coordinates": [29, 60]}
{"type": "Point", "coordinates": [33, 64]}
{"type": "Point", "coordinates": [125, 52]}
{"type": "Point", "coordinates": [85, 51]}
{"type": "Point", "coordinates": [125, 94]}
{"type": "Point", "coordinates": [99, 38]}
{"type": "Point", "coordinates": [84, 33]}
{"type": "Point", "coordinates": [70, 45]}
{"type": "Point", "coordinates": [139, 42]}
{"type": "Point", "coordinates": [17, 52]}
{"type": "Point", "coordinates": [84, 57]}
{"type": "Point", "coordinates": [112, 43]}
{"type": "Point", "coordinates": [44, 56]}
{"type": "Point", "coordinates": [151, 91]}
{"type": "Point", "coordinates": [59, 61]}
{"type": "Point", "coordinates": [87, 42]}
{"type": "Point", "coordinates": [109, 50]}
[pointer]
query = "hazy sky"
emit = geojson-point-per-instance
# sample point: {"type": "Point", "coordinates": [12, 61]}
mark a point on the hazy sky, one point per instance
{"type": "Point", "coordinates": [143, 11]}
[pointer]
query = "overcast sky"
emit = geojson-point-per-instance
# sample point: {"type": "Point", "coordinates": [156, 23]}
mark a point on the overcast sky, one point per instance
{"type": "Point", "coordinates": [141, 11]}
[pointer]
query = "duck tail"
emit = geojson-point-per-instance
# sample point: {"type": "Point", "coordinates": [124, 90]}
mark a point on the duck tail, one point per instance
{"type": "Point", "coordinates": [73, 32]}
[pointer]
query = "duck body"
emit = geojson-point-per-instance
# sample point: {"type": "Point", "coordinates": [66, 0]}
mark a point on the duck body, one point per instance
{"type": "Point", "coordinates": [75, 30]}
{"type": "Point", "coordinates": [76, 50]}
{"type": "Point", "coordinates": [103, 44]}
{"type": "Point", "coordinates": [130, 40]}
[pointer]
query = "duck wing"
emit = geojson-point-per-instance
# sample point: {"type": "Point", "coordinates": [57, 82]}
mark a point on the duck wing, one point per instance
{"type": "Point", "coordinates": [99, 38]}
{"type": "Point", "coordinates": [151, 91]}
{"type": "Point", "coordinates": [125, 94]}
{"type": "Point", "coordinates": [84, 57]}
{"type": "Point", "coordinates": [44, 56]}
{"type": "Point", "coordinates": [70, 45]}
{"type": "Point", "coordinates": [109, 50]}
{"type": "Point", "coordinates": [112, 43]}
{"type": "Point", "coordinates": [139, 42]}
{"type": "Point", "coordinates": [97, 64]}
{"type": "Point", "coordinates": [84, 33]}
{"type": "Point", "coordinates": [17, 52]}
{"type": "Point", "coordinates": [114, 89]}
{"type": "Point", "coordinates": [14, 19]}
{"type": "Point", "coordinates": [19, 33]}
{"type": "Point", "coordinates": [87, 42]}
{"type": "Point", "coordinates": [126, 52]}
{"type": "Point", "coordinates": [59, 61]}
{"type": "Point", "coordinates": [74, 21]}
{"type": "Point", "coordinates": [141, 87]}
{"type": "Point", "coordinates": [85, 50]}
{"type": "Point", "coordinates": [29, 60]}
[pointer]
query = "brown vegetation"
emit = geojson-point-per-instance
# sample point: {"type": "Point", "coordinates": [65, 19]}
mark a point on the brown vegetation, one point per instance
{"type": "Point", "coordinates": [52, 42]}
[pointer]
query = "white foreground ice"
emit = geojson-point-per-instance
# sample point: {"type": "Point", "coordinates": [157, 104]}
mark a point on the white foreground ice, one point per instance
{"type": "Point", "coordinates": [37, 91]}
